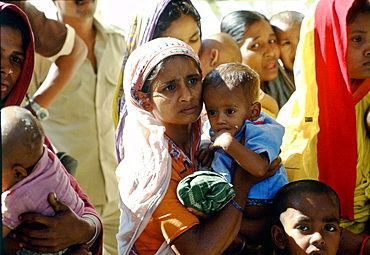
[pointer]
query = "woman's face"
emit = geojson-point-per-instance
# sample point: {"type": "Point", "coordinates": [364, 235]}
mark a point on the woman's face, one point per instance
{"type": "Point", "coordinates": [358, 54]}
{"type": "Point", "coordinates": [260, 50]}
{"type": "Point", "coordinates": [176, 92]}
{"type": "Point", "coordinates": [12, 58]}
{"type": "Point", "coordinates": [185, 29]}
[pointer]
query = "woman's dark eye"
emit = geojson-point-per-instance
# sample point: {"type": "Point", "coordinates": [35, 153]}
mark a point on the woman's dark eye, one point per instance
{"type": "Point", "coordinates": [17, 59]}
{"type": "Point", "coordinates": [170, 87]}
{"type": "Point", "coordinates": [230, 111]}
{"type": "Point", "coordinates": [356, 39]}
{"type": "Point", "coordinates": [286, 43]}
{"type": "Point", "coordinates": [194, 40]}
{"type": "Point", "coordinates": [193, 81]}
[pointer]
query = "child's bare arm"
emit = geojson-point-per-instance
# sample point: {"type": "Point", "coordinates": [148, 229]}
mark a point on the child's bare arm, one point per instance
{"type": "Point", "coordinates": [252, 162]}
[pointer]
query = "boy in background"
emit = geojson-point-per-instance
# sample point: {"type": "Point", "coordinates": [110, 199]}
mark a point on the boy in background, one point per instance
{"type": "Point", "coordinates": [307, 215]}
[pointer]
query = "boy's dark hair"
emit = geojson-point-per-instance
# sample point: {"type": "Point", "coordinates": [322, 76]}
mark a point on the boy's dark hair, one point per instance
{"type": "Point", "coordinates": [238, 22]}
{"type": "Point", "coordinates": [360, 6]}
{"type": "Point", "coordinates": [235, 75]}
{"type": "Point", "coordinates": [298, 188]}
{"type": "Point", "coordinates": [10, 18]}
{"type": "Point", "coordinates": [173, 11]}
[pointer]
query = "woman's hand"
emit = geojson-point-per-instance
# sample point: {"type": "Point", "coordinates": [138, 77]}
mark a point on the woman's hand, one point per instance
{"type": "Point", "coordinates": [204, 154]}
{"type": "Point", "coordinates": [60, 231]}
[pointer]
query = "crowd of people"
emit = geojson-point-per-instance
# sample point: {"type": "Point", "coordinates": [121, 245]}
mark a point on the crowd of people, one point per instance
{"type": "Point", "coordinates": [278, 110]}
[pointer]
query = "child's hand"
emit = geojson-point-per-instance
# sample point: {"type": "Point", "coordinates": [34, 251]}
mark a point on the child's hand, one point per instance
{"type": "Point", "coordinates": [204, 154]}
{"type": "Point", "coordinates": [222, 139]}
{"type": "Point", "coordinates": [199, 214]}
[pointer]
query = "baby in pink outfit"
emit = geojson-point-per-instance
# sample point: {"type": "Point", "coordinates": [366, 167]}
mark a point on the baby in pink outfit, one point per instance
{"type": "Point", "coordinates": [30, 171]}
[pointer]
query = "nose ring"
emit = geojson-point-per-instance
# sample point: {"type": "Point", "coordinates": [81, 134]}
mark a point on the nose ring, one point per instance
{"type": "Point", "coordinates": [9, 72]}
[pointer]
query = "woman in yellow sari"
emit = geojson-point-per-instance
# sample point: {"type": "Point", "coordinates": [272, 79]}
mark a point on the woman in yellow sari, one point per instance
{"type": "Point", "coordinates": [325, 135]}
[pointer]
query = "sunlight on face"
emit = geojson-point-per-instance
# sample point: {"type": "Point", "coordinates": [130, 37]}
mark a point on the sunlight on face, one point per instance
{"type": "Point", "coordinates": [176, 92]}
{"type": "Point", "coordinates": [288, 38]}
{"type": "Point", "coordinates": [12, 58]}
{"type": "Point", "coordinates": [227, 109]}
{"type": "Point", "coordinates": [185, 29]}
{"type": "Point", "coordinates": [311, 225]}
{"type": "Point", "coordinates": [260, 50]}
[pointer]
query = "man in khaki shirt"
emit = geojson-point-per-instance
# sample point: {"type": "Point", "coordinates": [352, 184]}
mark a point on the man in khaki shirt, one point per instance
{"type": "Point", "coordinates": [80, 121]}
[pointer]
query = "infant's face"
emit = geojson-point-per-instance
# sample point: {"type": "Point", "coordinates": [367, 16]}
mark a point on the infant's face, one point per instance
{"type": "Point", "coordinates": [8, 176]}
{"type": "Point", "coordinates": [227, 109]}
{"type": "Point", "coordinates": [288, 38]}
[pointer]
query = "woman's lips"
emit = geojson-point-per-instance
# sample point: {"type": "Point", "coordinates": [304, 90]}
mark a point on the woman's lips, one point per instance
{"type": "Point", "coordinates": [4, 88]}
{"type": "Point", "coordinates": [189, 110]}
{"type": "Point", "coordinates": [271, 66]}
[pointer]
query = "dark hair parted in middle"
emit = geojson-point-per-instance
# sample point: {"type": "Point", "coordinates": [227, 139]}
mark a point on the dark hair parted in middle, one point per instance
{"type": "Point", "coordinates": [172, 12]}
{"type": "Point", "coordinates": [238, 22]}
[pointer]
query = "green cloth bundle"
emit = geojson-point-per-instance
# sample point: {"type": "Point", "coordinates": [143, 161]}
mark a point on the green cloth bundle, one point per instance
{"type": "Point", "coordinates": [205, 191]}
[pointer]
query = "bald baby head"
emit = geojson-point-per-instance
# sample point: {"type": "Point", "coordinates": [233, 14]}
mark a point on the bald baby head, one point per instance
{"type": "Point", "coordinates": [218, 49]}
{"type": "Point", "coordinates": [22, 136]}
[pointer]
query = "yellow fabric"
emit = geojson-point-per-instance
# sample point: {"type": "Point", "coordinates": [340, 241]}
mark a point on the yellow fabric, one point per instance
{"type": "Point", "coordinates": [300, 113]}
{"type": "Point", "coordinates": [362, 191]}
{"type": "Point", "coordinates": [269, 113]}
{"type": "Point", "coordinates": [300, 116]}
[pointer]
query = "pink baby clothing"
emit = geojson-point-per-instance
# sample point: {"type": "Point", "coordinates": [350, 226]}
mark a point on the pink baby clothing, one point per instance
{"type": "Point", "coordinates": [30, 194]}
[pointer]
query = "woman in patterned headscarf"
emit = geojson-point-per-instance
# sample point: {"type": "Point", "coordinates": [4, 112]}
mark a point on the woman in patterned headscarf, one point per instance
{"type": "Point", "coordinates": [325, 136]}
{"type": "Point", "coordinates": [160, 137]}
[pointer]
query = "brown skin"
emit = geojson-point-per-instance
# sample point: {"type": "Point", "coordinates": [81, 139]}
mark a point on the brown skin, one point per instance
{"type": "Point", "coordinates": [53, 238]}
{"type": "Point", "coordinates": [228, 219]}
{"type": "Point", "coordinates": [175, 101]}
{"type": "Point", "coordinates": [221, 48]}
{"type": "Point", "coordinates": [76, 230]}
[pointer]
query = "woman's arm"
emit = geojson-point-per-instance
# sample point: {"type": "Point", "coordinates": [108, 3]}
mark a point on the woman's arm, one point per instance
{"type": "Point", "coordinates": [214, 236]}
{"type": "Point", "coordinates": [62, 230]}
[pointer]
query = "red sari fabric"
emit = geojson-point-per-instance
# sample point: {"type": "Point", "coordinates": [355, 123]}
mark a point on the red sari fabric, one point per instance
{"type": "Point", "coordinates": [337, 142]}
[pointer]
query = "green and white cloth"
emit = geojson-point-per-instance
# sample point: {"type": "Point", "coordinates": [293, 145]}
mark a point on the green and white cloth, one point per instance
{"type": "Point", "coordinates": [205, 191]}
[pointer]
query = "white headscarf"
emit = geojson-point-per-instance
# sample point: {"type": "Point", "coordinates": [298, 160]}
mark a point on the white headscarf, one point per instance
{"type": "Point", "coordinates": [145, 170]}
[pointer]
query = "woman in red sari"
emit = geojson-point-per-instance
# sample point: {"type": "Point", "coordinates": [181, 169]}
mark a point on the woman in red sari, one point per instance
{"type": "Point", "coordinates": [325, 136]}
